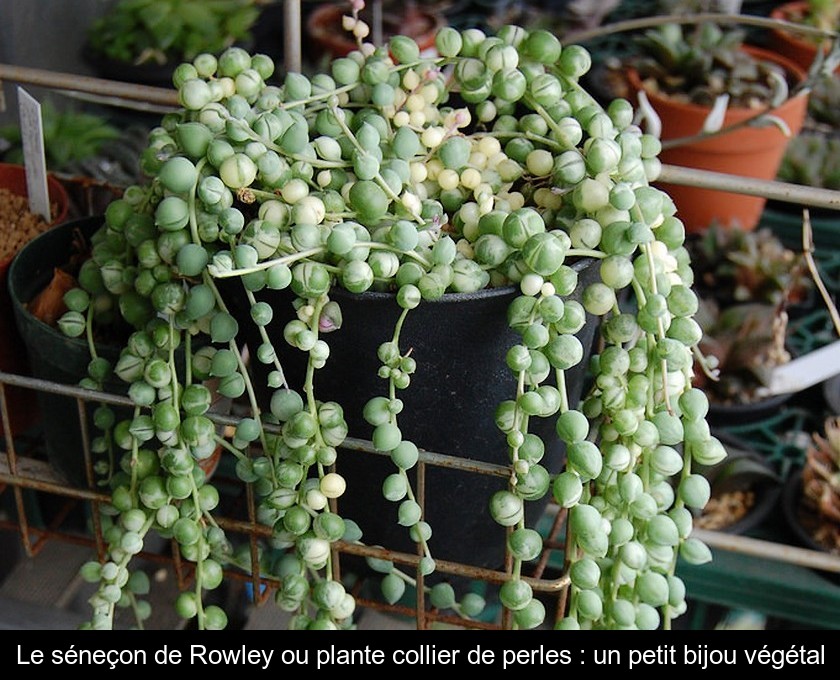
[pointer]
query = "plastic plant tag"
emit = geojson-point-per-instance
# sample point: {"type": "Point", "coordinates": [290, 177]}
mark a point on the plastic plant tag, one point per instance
{"type": "Point", "coordinates": [803, 372]}
{"type": "Point", "coordinates": [34, 160]}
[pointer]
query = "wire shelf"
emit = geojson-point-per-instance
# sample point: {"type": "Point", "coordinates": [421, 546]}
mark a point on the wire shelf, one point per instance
{"type": "Point", "coordinates": [22, 467]}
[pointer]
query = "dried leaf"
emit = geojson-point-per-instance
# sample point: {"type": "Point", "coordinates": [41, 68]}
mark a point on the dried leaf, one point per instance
{"type": "Point", "coordinates": [49, 305]}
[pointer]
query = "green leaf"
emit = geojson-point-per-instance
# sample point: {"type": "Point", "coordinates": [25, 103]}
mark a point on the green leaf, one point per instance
{"type": "Point", "coordinates": [740, 471]}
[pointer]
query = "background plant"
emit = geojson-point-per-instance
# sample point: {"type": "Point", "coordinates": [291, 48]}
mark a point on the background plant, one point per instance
{"type": "Point", "coordinates": [747, 282]}
{"type": "Point", "coordinates": [811, 160]}
{"type": "Point", "coordinates": [734, 265]}
{"type": "Point", "coordinates": [819, 481]}
{"type": "Point", "coordinates": [170, 31]}
{"type": "Point", "coordinates": [486, 166]}
{"type": "Point", "coordinates": [823, 103]}
{"type": "Point", "coordinates": [704, 62]}
{"type": "Point", "coordinates": [70, 137]}
{"type": "Point", "coordinates": [822, 14]}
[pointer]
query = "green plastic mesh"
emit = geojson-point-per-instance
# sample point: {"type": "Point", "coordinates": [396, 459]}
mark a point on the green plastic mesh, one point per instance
{"type": "Point", "coordinates": [782, 438]}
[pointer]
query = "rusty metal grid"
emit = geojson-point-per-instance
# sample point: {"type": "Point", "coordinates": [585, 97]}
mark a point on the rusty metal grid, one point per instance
{"type": "Point", "coordinates": [19, 472]}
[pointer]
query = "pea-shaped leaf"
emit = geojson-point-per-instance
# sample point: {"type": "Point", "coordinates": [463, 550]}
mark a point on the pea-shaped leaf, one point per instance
{"type": "Point", "coordinates": [393, 588]}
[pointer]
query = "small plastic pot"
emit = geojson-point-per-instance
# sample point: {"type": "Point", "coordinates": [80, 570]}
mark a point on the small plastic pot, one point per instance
{"type": "Point", "coordinates": [52, 355]}
{"type": "Point", "coordinates": [744, 470]}
{"type": "Point", "coordinates": [802, 519]}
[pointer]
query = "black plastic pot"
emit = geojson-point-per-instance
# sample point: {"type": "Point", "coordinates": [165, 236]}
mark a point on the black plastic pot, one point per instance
{"type": "Point", "coordinates": [149, 73]}
{"type": "Point", "coordinates": [744, 469]}
{"type": "Point", "coordinates": [459, 343]}
{"type": "Point", "coordinates": [60, 359]}
{"type": "Point", "coordinates": [728, 415]}
{"type": "Point", "coordinates": [801, 518]}
{"type": "Point", "coordinates": [52, 355]}
{"type": "Point", "coordinates": [831, 394]}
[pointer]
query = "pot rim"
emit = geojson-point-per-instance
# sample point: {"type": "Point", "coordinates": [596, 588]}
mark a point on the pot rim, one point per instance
{"type": "Point", "coordinates": [20, 304]}
{"type": "Point", "coordinates": [770, 403]}
{"type": "Point", "coordinates": [56, 191]}
{"type": "Point", "coordinates": [791, 498]}
{"type": "Point", "coordinates": [636, 83]}
{"type": "Point", "coordinates": [767, 492]}
{"type": "Point", "coordinates": [579, 264]}
{"type": "Point", "coordinates": [377, 296]}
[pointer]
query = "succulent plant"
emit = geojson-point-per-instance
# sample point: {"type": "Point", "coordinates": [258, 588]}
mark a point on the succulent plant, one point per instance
{"type": "Point", "coordinates": [735, 265]}
{"type": "Point", "coordinates": [747, 280]}
{"type": "Point", "coordinates": [822, 14]}
{"type": "Point", "coordinates": [811, 156]}
{"type": "Point", "coordinates": [83, 144]}
{"type": "Point", "coordinates": [740, 343]}
{"type": "Point", "coordinates": [702, 62]}
{"type": "Point", "coordinates": [824, 102]}
{"type": "Point", "coordinates": [821, 482]}
{"type": "Point", "coordinates": [170, 31]}
{"type": "Point", "coordinates": [70, 137]}
{"type": "Point", "coordinates": [486, 166]}
{"type": "Point", "coordinates": [812, 159]}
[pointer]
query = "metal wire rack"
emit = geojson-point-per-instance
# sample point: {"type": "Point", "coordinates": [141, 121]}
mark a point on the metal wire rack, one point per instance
{"type": "Point", "coordinates": [20, 470]}
{"type": "Point", "coordinates": [25, 469]}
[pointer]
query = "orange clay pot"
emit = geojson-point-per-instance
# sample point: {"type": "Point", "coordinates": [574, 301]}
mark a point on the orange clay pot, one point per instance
{"type": "Point", "coordinates": [793, 46]}
{"type": "Point", "coordinates": [325, 29]}
{"type": "Point", "coordinates": [22, 404]}
{"type": "Point", "coordinates": [754, 152]}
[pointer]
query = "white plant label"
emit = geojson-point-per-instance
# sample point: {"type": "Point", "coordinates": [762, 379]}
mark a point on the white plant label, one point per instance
{"type": "Point", "coordinates": [805, 371]}
{"type": "Point", "coordinates": [32, 134]}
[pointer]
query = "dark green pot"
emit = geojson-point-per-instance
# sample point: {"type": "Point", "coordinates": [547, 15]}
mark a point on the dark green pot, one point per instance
{"type": "Point", "coordinates": [460, 343]}
{"type": "Point", "coordinates": [52, 355]}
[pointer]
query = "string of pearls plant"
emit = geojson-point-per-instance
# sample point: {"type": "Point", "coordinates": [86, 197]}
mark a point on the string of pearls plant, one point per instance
{"type": "Point", "coordinates": [485, 165]}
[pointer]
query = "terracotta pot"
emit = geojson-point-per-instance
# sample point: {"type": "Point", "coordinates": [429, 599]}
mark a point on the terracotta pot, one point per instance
{"type": "Point", "coordinates": [748, 152]}
{"type": "Point", "coordinates": [794, 46]}
{"type": "Point", "coordinates": [13, 178]}
{"type": "Point", "coordinates": [22, 404]}
{"type": "Point", "coordinates": [324, 28]}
